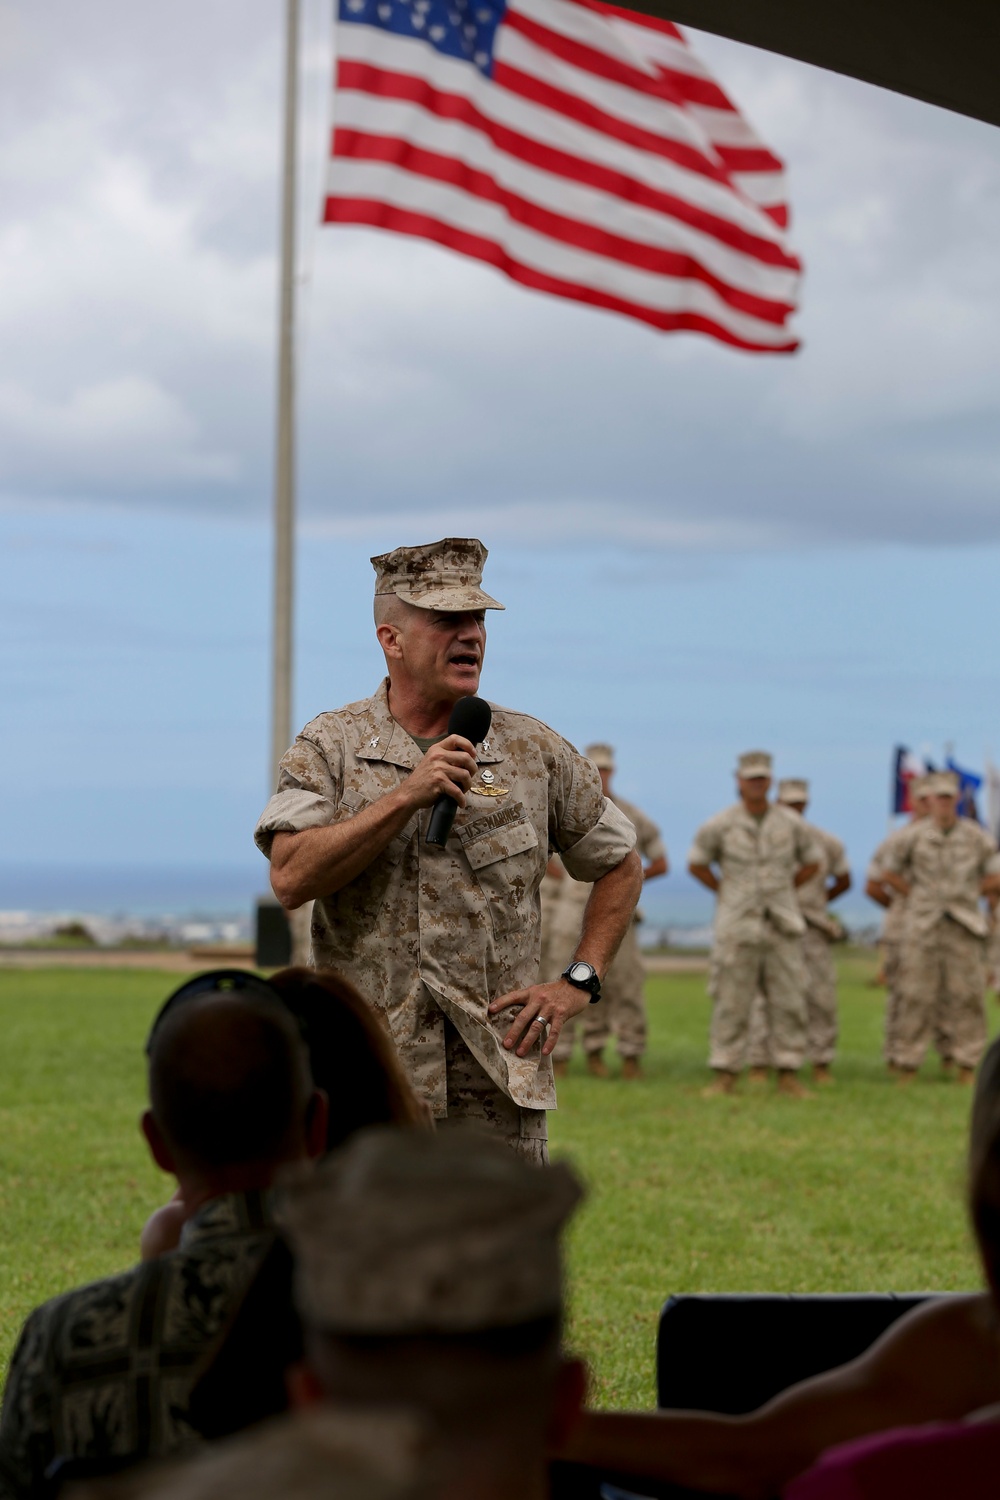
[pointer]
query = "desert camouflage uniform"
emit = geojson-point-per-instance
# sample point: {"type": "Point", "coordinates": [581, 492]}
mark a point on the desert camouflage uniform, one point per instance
{"type": "Point", "coordinates": [621, 1011]}
{"type": "Point", "coordinates": [821, 973]}
{"type": "Point", "coordinates": [549, 893]}
{"type": "Point", "coordinates": [104, 1372]}
{"type": "Point", "coordinates": [432, 935]}
{"type": "Point", "coordinates": [944, 938]}
{"type": "Point", "coordinates": [758, 930]}
{"type": "Point", "coordinates": [891, 945]}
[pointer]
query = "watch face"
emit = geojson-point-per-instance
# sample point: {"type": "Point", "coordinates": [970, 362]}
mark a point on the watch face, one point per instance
{"type": "Point", "coordinates": [581, 972]}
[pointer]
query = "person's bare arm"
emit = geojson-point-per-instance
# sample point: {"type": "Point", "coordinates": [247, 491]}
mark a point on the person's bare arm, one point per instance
{"type": "Point", "coordinates": [991, 887]}
{"type": "Point", "coordinates": [937, 1363]}
{"type": "Point", "coordinates": [875, 891]}
{"type": "Point", "coordinates": [838, 886]}
{"type": "Point", "coordinates": [804, 873]}
{"type": "Point", "coordinates": [655, 868]}
{"type": "Point", "coordinates": [705, 875]}
{"type": "Point", "coordinates": [605, 921]}
{"type": "Point", "coordinates": [318, 861]}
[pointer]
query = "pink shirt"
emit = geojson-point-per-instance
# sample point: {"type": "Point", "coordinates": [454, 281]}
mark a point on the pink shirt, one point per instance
{"type": "Point", "coordinates": [943, 1459]}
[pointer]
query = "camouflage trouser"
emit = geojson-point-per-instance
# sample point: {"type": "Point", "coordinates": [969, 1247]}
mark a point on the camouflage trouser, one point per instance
{"type": "Point", "coordinates": [892, 954]}
{"type": "Point", "coordinates": [474, 1098]}
{"type": "Point", "coordinates": [775, 969]}
{"type": "Point", "coordinates": [621, 1011]}
{"type": "Point", "coordinates": [942, 983]}
{"type": "Point", "coordinates": [821, 1008]}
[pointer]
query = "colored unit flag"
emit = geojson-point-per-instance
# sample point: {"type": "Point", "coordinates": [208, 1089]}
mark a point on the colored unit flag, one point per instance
{"type": "Point", "coordinates": [969, 784]}
{"type": "Point", "coordinates": [581, 149]}
{"type": "Point", "coordinates": [906, 768]}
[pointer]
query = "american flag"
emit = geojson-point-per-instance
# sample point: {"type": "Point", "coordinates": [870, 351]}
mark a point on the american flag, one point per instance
{"type": "Point", "coordinates": [581, 149]}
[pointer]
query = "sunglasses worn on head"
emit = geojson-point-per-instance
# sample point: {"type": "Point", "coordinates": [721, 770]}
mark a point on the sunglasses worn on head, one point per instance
{"type": "Point", "coordinates": [215, 982]}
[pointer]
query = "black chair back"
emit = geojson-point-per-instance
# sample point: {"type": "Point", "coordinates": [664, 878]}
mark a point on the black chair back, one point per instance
{"type": "Point", "coordinates": [732, 1353]}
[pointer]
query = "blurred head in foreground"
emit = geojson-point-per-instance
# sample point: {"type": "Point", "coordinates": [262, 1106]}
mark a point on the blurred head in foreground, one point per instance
{"type": "Point", "coordinates": [428, 1277]}
{"type": "Point", "coordinates": [351, 1054]}
{"type": "Point", "coordinates": [984, 1166]}
{"type": "Point", "coordinates": [231, 1095]}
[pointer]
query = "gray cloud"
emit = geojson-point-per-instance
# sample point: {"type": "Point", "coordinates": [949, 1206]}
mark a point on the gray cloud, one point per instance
{"type": "Point", "coordinates": [137, 181]}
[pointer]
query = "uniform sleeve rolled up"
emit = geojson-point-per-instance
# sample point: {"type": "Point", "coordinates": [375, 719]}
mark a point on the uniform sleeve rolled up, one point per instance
{"type": "Point", "coordinates": [707, 846]}
{"type": "Point", "coordinates": [838, 858]}
{"type": "Point", "coordinates": [603, 848]}
{"type": "Point", "coordinates": [307, 796]}
{"type": "Point", "coordinates": [649, 841]}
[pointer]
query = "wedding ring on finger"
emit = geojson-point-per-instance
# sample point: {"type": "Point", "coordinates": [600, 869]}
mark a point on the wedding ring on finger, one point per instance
{"type": "Point", "coordinates": [539, 1021]}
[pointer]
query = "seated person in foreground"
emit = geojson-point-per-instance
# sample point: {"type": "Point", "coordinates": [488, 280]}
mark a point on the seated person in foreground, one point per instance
{"type": "Point", "coordinates": [352, 1060]}
{"type": "Point", "coordinates": [941, 1458]}
{"type": "Point", "coordinates": [939, 1363]}
{"type": "Point", "coordinates": [429, 1278]}
{"type": "Point", "coordinates": [102, 1373]}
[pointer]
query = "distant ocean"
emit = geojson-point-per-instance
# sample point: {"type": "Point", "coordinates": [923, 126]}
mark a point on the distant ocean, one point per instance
{"type": "Point", "coordinates": [146, 891]}
{"type": "Point", "coordinates": [675, 907]}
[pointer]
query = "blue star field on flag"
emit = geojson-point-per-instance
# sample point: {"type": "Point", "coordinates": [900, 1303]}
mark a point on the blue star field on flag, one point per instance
{"type": "Point", "coordinates": [465, 29]}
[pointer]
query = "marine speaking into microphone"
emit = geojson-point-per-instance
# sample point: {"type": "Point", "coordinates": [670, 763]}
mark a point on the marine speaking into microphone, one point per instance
{"type": "Point", "coordinates": [444, 942]}
{"type": "Point", "coordinates": [471, 718]}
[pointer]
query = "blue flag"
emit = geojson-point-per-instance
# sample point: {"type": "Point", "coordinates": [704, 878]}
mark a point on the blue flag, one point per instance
{"type": "Point", "coordinates": [969, 784]}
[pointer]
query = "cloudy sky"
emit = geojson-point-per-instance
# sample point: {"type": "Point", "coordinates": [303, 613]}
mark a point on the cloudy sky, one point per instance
{"type": "Point", "coordinates": [702, 550]}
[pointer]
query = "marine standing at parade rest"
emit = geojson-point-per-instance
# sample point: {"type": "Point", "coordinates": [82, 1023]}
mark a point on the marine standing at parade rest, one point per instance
{"type": "Point", "coordinates": [443, 941]}
{"type": "Point", "coordinates": [893, 904]}
{"type": "Point", "coordinates": [762, 853]}
{"type": "Point", "coordinates": [831, 880]}
{"type": "Point", "coordinates": [943, 866]}
{"type": "Point", "coordinates": [622, 1012]}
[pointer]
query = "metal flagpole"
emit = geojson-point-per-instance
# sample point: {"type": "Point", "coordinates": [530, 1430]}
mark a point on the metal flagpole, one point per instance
{"type": "Point", "coordinates": [284, 472]}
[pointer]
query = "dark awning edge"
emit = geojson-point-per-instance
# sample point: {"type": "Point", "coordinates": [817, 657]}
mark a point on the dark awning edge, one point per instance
{"type": "Point", "coordinates": [946, 54]}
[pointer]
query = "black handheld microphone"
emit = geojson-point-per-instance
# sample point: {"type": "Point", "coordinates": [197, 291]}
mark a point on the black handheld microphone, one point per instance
{"type": "Point", "coordinates": [471, 718]}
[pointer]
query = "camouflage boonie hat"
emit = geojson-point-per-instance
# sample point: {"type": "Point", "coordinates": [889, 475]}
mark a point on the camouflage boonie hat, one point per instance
{"type": "Point", "coordinates": [793, 789]}
{"type": "Point", "coordinates": [443, 575]}
{"type": "Point", "coordinates": [754, 763]}
{"type": "Point", "coordinates": [602, 756]}
{"type": "Point", "coordinates": [941, 784]}
{"type": "Point", "coordinates": [405, 1233]}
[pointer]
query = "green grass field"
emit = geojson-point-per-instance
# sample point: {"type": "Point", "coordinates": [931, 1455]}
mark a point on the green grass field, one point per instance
{"type": "Point", "coordinates": [857, 1189]}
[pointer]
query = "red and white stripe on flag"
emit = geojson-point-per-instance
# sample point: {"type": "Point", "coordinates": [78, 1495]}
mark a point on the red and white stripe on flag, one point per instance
{"type": "Point", "coordinates": [582, 149]}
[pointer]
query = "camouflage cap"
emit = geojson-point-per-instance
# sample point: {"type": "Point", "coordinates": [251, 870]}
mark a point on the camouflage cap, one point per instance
{"type": "Point", "coordinates": [407, 1233]}
{"type": "Point", "coordinates": [443, 575]}
{"type": "Point", "coordinates": [792, 789]}
{"type": "Point", "coordinates": [317, 1452]}
{"type": "Point", "coordinates": [941, 784]}
{"type": "Point", "coordinates": [754, 763]}
{"type": "Point", "coordinates": [918, 786]}
{"type": "Point", "coordinates": [602, 756]}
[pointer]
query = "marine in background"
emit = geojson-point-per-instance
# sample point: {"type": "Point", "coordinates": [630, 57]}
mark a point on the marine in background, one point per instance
{"type": "Point", "coordinates": [893, 904]}
{"type": "Point", "coordinates": [943, 865]}
{"type": "Point", "coordinates": [754, 855]}
{"type": "Point", "coordinates": [622, 1010]}
{"type": "Point", "coordinates": [831, 881]}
